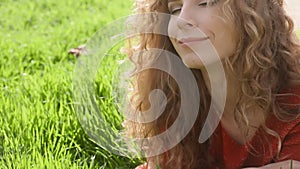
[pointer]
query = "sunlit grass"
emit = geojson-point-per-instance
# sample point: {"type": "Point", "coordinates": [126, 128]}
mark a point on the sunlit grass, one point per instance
{"type": "Point", "coordinates": [39, 128]}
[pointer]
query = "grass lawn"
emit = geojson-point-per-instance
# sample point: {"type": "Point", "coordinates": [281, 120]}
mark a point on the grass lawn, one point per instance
{"type": "Point", "coordinates": [39, 127]}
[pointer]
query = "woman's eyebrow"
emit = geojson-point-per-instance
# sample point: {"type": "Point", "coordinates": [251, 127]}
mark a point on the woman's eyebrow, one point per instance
{"type": "Point", "coordinates": [172, 0]}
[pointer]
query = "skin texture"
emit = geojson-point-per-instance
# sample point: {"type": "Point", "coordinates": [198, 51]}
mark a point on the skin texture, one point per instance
{"type": "Point", "coordinates": [197, 25]}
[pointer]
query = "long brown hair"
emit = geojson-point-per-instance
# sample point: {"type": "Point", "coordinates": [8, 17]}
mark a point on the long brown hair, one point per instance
{"type": "Point", "coordinates": [266, 58]}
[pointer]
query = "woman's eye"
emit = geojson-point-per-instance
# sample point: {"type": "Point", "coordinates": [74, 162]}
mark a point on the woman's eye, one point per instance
{"type": "Point", "coordinates": [208, 3]}
{"type": "Point", "coordinates": [175, 11]}
{"type": "Point", "coordinates": [203, 4]}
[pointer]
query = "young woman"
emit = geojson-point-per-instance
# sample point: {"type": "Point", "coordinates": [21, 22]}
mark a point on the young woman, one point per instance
{"type": "Point", "coordinates": [260, 53]}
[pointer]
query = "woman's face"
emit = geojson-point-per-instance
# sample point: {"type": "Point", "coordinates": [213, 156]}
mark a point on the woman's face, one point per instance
{"type": "Point", "coordinates": [196, 27]}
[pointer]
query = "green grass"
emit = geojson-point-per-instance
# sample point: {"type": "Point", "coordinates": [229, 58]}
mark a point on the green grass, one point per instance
{"type": "Point", "coordinates": [39, 127]}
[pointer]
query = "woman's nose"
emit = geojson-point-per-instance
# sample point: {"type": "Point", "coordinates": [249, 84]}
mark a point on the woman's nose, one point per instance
{"type": "Point", "coordinates": [185, 19]}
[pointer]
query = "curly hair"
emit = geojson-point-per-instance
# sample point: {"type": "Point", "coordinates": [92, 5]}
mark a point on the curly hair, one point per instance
{"type": "Point", "coordinates": [266, 58]}
{"type": "Point", "coordinates": [265, 62]}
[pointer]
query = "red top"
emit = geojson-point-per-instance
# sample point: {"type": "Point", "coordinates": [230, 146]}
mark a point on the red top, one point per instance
{"type": "Point", "coordinates": [229, 154]}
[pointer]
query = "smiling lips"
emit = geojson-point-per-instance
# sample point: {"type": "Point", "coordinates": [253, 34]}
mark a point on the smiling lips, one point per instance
{"type": "Point", "coordinates": [189, 41]}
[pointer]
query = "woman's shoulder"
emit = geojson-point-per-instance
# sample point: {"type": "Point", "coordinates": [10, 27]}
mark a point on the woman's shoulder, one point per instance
{"type": "Point", "coordinates": [283, 127]}
{"type": "Point", "coordinates": [289, 101]}
{"type": "Point", "coordinates": [287, 129]}
{"type": "Point", "coordinates": [289, 97]}
{"type": "Point", "coordinates": [289, 123]}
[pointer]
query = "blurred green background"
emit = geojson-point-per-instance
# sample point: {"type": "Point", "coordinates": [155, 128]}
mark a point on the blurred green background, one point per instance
{"type": "Point", "coordinates": [38, 124]}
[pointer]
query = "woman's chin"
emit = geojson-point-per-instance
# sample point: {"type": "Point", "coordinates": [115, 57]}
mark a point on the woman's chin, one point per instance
{"type": "Point", "coordinates": [193, 65]}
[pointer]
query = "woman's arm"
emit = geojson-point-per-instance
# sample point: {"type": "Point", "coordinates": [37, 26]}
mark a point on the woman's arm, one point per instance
{"type": "Point", "coordinates": [288, 164]}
